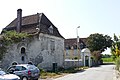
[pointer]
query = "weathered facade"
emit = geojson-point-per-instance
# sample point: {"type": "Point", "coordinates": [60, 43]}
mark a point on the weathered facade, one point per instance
{"type": "Point", "coordinates": [77, 55]}
{"type": "Point", "coordinates": [44, 48]}
{"type": "Point", "coordinates": [71, 49]}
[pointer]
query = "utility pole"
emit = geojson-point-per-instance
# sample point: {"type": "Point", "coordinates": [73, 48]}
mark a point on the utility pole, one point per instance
{"type": "Point", "coordinates": [77, 43]}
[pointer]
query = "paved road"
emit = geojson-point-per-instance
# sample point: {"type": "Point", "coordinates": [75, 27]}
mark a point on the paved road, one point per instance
{"type": "Point", "coordinates": [104, 72]}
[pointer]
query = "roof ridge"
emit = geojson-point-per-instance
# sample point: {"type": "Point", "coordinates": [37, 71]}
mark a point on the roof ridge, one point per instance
{"type": "Point", "coordinates": [30, 15]}
{"type": "Point", "coordinates": [76, 38]}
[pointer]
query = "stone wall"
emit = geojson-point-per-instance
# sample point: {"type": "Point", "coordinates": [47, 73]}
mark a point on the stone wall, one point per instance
{"type": "Point", "coordinates": [43, 50]}
{"type": "Point", "coordinates": [72, 63]}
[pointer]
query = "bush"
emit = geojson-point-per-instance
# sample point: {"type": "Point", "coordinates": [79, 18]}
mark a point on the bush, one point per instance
{"type": "Point", "coordinates": [107, 59]}
{"type": "Point", "coordinates": [118, 64]}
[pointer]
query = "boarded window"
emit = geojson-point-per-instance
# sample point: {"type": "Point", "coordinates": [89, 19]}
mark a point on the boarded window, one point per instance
{"type": "Point", "coordinates": [52, 45]}
{"type": "Point", "coordinates": [44, 43]}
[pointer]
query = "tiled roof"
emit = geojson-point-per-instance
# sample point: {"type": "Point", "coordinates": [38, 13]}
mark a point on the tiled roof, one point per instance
{"type": "Point", "coordinates": [72, 42]}
{"type": "Point", "coordinates": [31, 22]}
{"type": "Point", "coordinates": [31, 19]}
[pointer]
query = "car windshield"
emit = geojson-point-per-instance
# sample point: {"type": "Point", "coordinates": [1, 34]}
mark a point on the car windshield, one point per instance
{"type": "Point", "coordinates": [31, 67]}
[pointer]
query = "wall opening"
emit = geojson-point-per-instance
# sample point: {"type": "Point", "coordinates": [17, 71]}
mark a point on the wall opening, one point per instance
{"type": "Point", "coordinates": [22, 50]}
{"type": "Point", "coordinates": [22, 58]}
{"type": "Point", "coordinates": [23, 54]}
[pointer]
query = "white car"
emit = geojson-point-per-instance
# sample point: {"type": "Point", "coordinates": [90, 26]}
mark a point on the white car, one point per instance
{"type": "Point", "coordinates": [4, 76]}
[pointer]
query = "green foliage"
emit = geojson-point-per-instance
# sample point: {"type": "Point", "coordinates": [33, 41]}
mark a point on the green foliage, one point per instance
{"type": "Point", "coordinates": [107, 59]}
{"type": "Point", "coordinates": [115, 38]}
{"type": "Point", "coordinates": [96, 56]}
{"type": "Point", "coordinates": [8, 38]}
{"type": "Point", "coordinates": [13, 37]}
{"type": "Point", "coordinates": [98, 42]}
{"type": "Point", "coordinates": [60, 72]}
{"type": "Point", "coordinates": [2, 51]}
{"type": "Point", "coordinates": [45, 75]}
{"type": "Point", "coordinates": [118, 64]}
{"type": "Point", "coordinates": [106, 56]}
{"type": "Point", "coordinates": [115, 49]}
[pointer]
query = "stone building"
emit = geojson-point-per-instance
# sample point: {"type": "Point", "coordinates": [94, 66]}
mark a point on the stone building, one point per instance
{"type": "Point", "coordinates": [44, 48]}
{"type": "Point", "coordinates": [76, 55]}
{"type": "Point", "coordinates": [71, 47]}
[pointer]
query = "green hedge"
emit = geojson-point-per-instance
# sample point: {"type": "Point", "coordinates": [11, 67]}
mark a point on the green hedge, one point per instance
{"type": "Point", "coordinates": [107, 59]}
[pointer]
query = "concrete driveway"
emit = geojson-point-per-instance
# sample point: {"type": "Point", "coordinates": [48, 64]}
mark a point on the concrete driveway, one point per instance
{"type": "Point", "coordinates": [103, 72]}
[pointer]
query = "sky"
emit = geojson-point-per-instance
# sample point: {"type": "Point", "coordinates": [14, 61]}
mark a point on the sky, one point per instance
{"type": "Point", "coordinates": [93, 16]}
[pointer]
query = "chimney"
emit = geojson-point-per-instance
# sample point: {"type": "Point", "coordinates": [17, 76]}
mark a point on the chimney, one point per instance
{"type": "Point", "coordinates": [19, 20]}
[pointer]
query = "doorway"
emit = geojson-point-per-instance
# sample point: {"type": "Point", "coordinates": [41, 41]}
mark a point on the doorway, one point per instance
{"type": "Point", "coordinates": [86, 60]}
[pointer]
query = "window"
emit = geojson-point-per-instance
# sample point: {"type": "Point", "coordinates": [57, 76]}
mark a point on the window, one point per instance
{"type": "Point", "coordinates": [52, 45]}
{"type": "Point", "coordinates": [22, 50]}
{"type": "Point", "coordinates": [22, 58]}
{"type": "Point", "coordinates": [31, 67]}
{"type": "Point", "coordinates": [18, 68]}
{"type": "Point", "coordinates": [23, 68]}
{"type": "Point", "coordinates": [23, 54]}
{"type": "Point", "coordinates": [51, 29]}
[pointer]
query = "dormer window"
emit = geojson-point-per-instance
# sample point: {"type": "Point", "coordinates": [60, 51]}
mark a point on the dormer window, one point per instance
{"type": "Point", "coordinates": [51, 29]}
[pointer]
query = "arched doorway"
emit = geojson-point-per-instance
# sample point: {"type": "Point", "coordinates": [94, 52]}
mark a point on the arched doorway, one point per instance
{"type": "Point", "coordinates": [86, 60]}
{"type": "Point", "coordinates": [86, 57]}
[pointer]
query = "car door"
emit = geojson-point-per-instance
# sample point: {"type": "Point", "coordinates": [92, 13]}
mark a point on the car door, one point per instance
{"type": "Point", "coordinates": [19, 71]}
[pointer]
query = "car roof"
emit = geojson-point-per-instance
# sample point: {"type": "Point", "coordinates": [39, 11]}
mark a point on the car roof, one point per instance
{"type": "Point", "coordinates": [22, 65]}
{"type": "Point", "coordinates": [25, 65]}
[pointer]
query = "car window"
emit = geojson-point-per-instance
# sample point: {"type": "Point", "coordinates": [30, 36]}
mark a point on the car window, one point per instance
{"type": "Point", "coordinates": [31, 67]}
{"type": "Point", "coordinates": [18, 68]}
{"type": "Point", "coordinates": [23, 68]}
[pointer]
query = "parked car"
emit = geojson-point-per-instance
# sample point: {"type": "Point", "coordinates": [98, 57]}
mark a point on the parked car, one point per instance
{"type": "Point", "coordinates": [25, 71]}
{"type": "Point", "coordinates": [4, 76]}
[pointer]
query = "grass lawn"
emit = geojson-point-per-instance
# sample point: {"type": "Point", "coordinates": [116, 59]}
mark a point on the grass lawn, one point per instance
{"type": "Point", "coordinates": [108, 60]}
{"type": "Point", "coordinates": [45, 75]}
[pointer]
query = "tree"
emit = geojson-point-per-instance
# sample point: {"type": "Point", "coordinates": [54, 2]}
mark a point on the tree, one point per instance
{"type": "Point", "coordinates": [115, 38]}
{"type": "Point", "coordinates": [97, 55]}
{"type": "Point", "coordinates": [99, 42]}
{"type": "Point", "coordinates": [115, 49]}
